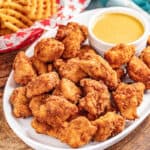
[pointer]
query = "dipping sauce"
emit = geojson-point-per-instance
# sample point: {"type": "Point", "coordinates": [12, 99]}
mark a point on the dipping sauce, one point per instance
{"type": "Point", "coordinates": [118, 28]}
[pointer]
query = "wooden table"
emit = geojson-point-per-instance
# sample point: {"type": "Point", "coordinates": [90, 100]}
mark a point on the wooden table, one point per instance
{"type": "Point", "coordinates": [137, 140]}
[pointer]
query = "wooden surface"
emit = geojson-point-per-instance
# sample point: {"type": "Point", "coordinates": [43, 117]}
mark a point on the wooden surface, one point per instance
{"type": "Point", "coordinates": [137, 140]}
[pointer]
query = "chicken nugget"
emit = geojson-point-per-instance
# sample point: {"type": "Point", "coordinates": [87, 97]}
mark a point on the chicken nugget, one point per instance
{"type": "Point", "coordinates": [23, 70]}
{"type": "Point", "coordinates": [138, 71]}
{"type": "Point", "coordinates": [127, 98]}
{"type": "Point", "coordinates": [108, 125]}
{"type": "Point", "coordinates": [48, 50]}
{"type": "Point", "coordinates": [70, 69]}
{"type": "Point", "coordinates": [78, 132]}
{"type": "Point", "coordinates": [98, 68]}
{"type": "Point", "coordinates": [41, 84]}
{"type": "Point", "coordinates": [145, 56]}
{"type": "Point", "coordinates": [97, 97]}
{"type": "Point", "coordinates": [20, 103]}
{"type": "Point", "coordinates": [72, 36]}
{"type": "Point", "coordinates": [44, 128]}
{"type": "Point", "coordinates": [54, 110]}
{"type": "Point", "coordinates": [119, 55]}
{"type": "Point", "coordinates": [69, 90]}
{"type": "Point", "coordinates": [39, 66]}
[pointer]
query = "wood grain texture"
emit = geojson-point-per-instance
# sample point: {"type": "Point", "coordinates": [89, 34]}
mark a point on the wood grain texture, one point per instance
{"type": "Point", "coordinates": [139, 139]}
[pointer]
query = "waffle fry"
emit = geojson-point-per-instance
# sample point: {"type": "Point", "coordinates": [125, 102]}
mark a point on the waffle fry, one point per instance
{"type": "Point", "coordinates": [17, 14]}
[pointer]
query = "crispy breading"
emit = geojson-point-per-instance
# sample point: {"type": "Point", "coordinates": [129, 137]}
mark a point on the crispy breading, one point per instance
{"type": "Point", "coordinates": [54, 110]}
{"type": "Point", "coordinates": [23, 70]}
{"type": "Point", "coordinates": [145, 56]}
{"type": "Point", "coordinates": [78, 132]}
{"type": "Point", "coordinates": [69, 69]}
{"type": "Point", "coordinates": [138, 71]}
{"type": "Point", "coordinates": [41, 84]}
{"type": "Point", "coordinates": [72, 36]}
{"type": "Point", "coordinates": [20, 103]}
{"type": "Point", "coordinates": [98, 68]}
{"type": "Point", "coordinates": [39, 66]}
{"type": "Point", "coordinates": [44, 128]}
{"type": "Point", "coordinates": [119, 55]}
{"type": "Point", "coordinates": [97, 97]}
{"type": "Point", "coordinates": [69, 90]}
{"type": "Point", "coordinates": [48, 50]}
{"type": "Point", "coordinates": [108, 125]}
{"type": "Point", "coordinates": [127, 98]}
{"type": "Point", "coordinates": [121, 73]}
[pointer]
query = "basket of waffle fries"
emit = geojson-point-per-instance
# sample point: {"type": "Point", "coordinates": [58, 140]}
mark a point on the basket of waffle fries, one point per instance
{"type": "Point", "coordinates": [23, 21]}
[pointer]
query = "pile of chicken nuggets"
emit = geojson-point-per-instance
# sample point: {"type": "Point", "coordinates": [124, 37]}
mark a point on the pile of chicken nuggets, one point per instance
{"type": "Point", "coordinates": [73, 93]}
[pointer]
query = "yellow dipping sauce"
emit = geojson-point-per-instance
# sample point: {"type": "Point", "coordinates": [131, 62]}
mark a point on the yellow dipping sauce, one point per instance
{"type": "Point", "coordinates": [118, 28]}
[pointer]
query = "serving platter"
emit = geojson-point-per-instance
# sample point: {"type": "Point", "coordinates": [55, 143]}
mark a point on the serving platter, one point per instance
{"type": "Point", "coordinates": [23, 128]}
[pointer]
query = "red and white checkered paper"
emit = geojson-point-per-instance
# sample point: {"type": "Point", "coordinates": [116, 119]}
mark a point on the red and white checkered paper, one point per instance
{"type": "Point", "coordinates": [24, 37]}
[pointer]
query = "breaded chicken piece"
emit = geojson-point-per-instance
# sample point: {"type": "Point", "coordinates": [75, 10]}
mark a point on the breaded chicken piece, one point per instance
{"type": "Point", "coordinates": [97, 97]}
{"type": "Point", "coordinates": [98, 68]}
{"type": "Point", "coordinates": [20, 103]}
{"type": "Point", "coordinates": [23, 70]}
{"type": "Point", "coordinates": [65, 30]}
{"type": "Point", "coordinates": [68, 90]}
{"type": "Point", "coordinates": [127, 98]}
{"type": "Point", "coordinates": [108, 125]}
{"type": "Point", "coordinates": [39, 66]}
{"type": "Point", "coordinates": [72, 36]}
{"type": "Point", "coordinates": [78, 132]}
{"type": "Point", "coordinates": [41, 84]}
{"type": "Point", "coordinates": [69, 69]}
{"type": "Point", "coordinates": [54, 110]}
{"type": "Point", "coordinates": [48, 50]}
{"type": "Point", "coordinates": [50, 68]}
{"type": "Point", "coordinates": [145, 56]}
{"type": "Point", "coordinates": [119, 55]}
{"type": "Point", "coordinates": [138, 71]}
{"type": "Point", "coordinates": [44, 128]}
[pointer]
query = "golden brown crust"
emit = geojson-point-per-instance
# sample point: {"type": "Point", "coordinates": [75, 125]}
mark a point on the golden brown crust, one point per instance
{"type": "Point", "coordinates": [127, 97]}
{"type": "Point", "coordinates": [119, 55]}
{"type": "Point", "coordinates": [68, 90]}
{"type": "Point", "coordinates": [78, 132]}
{"type": "Point", "coordinates": [138, 71]}
{"type": "Point", "coordinates": [70, 69]}
{"type": "Point", "coordinates": [20, 103]}
{"type": "Point", "coordinates": [41, 84]}
{"type": "Point", "coordinates": [48, 50]}
{"type": "Point", "coordinates": [108, 125]}
{"type": "Point", "coordinates": [23, 70]}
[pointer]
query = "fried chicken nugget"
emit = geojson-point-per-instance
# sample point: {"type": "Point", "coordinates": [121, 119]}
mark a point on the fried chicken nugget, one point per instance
{"type": "Point", "coordinates": [54, 110]}
{"type": "Point", "coordinates": [41, 84]}
{"type": "Point", "coordinates": [65, 30]}
{"type": "Point", "coordinates": [97, 98]}
{"type": "Point", "coordinates": [48, 50]}
{"type": "Point", "coordinates": [119, 55]}
{"type": "Point", "coordinates": [23, 70]}
{"type": "Point", "coordinates": [68, 90]}
{"type": "Point", "coordinates": [145, 56]}
{"type": "Point", "coordinates": [98, 68]}
{"type": "Point", "coordinates": [138, 71]}
{"type": "Point", "coordinates": [39, 66]}
{"type": "Point", "coordinates": [44, 128]}
{"type": "Point", "coordinates": [73, 36]}
{"type": "Point", "coordinates": [78, 132]}
{"type": "Point", "coordinates": [69, 69]}
{"type": "Point", "coordinates": [20, 103]}
{"type": "Point", "coordinates": [127, 97]}
{"type": "Point", "coordinates": [108, 125]}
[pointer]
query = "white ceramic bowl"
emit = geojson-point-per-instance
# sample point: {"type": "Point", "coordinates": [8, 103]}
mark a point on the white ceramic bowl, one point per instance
{"type": "Point", "coordinates": [102, 46]}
